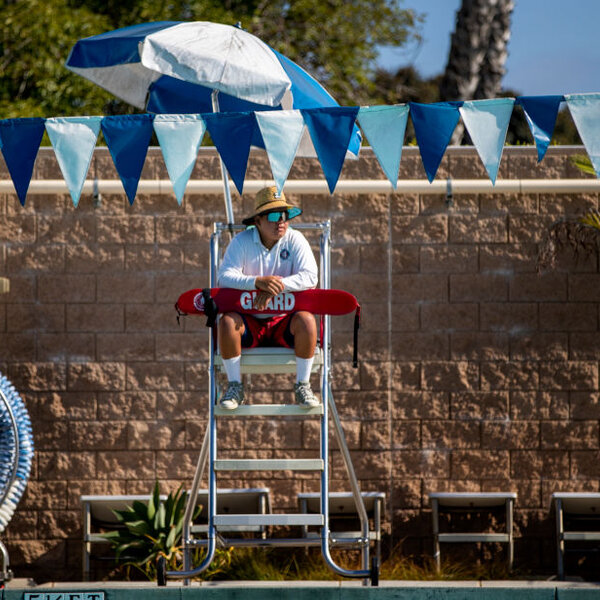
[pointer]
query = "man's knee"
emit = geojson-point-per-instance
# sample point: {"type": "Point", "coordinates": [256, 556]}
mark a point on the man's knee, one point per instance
{"type": "Point", "coordinates": [231, 323]}
{"type": "Point", "coordinates": [303, 322]}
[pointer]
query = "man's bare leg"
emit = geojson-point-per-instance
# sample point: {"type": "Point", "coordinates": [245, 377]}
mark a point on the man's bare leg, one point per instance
{"type": "Point", "coordinates": [304, 329]}
{"type": "Point", "coordinates": [231, 330]}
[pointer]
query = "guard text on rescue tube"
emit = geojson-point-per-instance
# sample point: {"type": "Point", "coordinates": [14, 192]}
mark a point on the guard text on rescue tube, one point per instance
{"type": "Point", "coordinates": [283, 301]}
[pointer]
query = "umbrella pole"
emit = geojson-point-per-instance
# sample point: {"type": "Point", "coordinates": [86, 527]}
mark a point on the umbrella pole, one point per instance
{"type": "Point", "coordinates": [228, 204]}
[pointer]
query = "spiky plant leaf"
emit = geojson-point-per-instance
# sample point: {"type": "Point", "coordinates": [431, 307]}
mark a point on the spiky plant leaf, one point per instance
{"type": "Point", "coordinates": [583, 163]}
{"type": "Point", "coordinates": [153, 502]}
{"type": "Point", "coordinates": [591, 219]}
{"type": "Point", "coordinates": [139, 527]}
{"type": "Point", "coordinates": [159, 517]}
{"type": "Point", "coordinates": [140, 509]}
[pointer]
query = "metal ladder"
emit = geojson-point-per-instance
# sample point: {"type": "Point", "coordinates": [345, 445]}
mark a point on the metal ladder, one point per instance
{"type": "Point", "coordinates": [265, 361]}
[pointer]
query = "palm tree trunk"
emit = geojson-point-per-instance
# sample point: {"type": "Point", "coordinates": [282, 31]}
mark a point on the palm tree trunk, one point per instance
{"type": "Point", "coordinates": [478, 53]}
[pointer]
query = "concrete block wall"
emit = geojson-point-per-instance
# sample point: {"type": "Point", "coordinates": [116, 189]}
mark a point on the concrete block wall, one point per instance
{"type": "Point", "coordinates": [475, 374]}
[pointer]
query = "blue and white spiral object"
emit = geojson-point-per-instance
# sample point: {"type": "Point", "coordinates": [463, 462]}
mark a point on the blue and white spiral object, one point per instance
{"type": "Point", "coordinates": [16, 450]}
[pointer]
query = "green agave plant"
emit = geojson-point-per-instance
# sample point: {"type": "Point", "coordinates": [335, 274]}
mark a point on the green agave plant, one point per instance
{"type": "Point", "coordinates": [149, 531]}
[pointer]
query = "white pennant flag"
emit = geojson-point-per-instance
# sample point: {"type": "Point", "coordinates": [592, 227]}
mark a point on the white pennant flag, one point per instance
{"type": "Point", "coordinates": [585, 110]}
{"type": "Point", "coordinates": [487, 123]}
{"type": "Point", "coordinates": [179, 137]}
{"type": "Point", "coordinates": [384, 127]}
{"type": "Point", "coordinates": [74, 140]}
{"type": "Point", "coordinates": [281, 131]}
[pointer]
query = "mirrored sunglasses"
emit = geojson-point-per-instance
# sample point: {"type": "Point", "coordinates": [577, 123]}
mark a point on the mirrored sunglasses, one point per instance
{"type": "Point", "coordinates": [282, 215]}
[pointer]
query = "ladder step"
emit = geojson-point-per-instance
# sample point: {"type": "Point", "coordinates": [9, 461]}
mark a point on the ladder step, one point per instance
{"type": "Point", "coordinates": [276, 464]}
{"type": "Point", "coordinates": [263, 520]}
{"type": "Point", "coordinates": [268, 410]}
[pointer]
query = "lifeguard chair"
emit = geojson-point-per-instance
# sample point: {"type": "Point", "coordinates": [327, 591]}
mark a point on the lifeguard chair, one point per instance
{"type": "Point", "coordinates": [274, 360]}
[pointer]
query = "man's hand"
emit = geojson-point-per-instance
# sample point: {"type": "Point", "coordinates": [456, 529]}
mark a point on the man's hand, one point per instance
{"type": "Point", "coordinates": [272, 284]}
{"type": "Point", "coordinates": [261, 299]}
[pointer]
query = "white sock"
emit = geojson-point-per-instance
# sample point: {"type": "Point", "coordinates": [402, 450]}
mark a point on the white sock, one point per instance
{"type": "Point", "coordinates": [303, 367]}
{"type": "Point", "coordinates": [233, 368]}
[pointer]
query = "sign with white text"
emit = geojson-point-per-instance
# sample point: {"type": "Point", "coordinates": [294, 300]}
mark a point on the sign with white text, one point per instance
{"type": "Point", "coordinates": [63, 596]}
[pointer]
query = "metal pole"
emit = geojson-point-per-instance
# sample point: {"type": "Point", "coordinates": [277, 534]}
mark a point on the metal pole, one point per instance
{"type": "Point", "coordinates": [327, 404]}
{"type": "Point", "coordinates": [509, 529]}
{"type": "Point", "coordinates": [435, 516]}
{"type": "Point", "coordinates": [560, 539]}
{"type": "Point", "coordinates": [228, 204]}
{"type": "Point", "coordinates": [191, 503]}
{"type": "Point", "coordinates": [210, 441]}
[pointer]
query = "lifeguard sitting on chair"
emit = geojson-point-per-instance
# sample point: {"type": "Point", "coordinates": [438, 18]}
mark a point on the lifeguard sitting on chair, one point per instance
{"type": "Point", "coordinates": [270, 258]}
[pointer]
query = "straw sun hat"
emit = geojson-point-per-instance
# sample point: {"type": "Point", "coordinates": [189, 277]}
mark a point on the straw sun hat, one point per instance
{"type": "Point", "coordinates": [267, 200]}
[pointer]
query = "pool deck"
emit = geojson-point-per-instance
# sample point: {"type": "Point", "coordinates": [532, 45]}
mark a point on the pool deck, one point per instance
{"type": "Point", "coordinates": [308, 590]}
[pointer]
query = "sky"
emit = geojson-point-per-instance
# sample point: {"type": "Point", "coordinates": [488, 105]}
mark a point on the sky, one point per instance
{"type": "Point", "coordinates": [554, 46]}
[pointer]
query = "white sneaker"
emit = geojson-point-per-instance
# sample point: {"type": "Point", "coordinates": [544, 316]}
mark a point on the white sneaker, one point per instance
{"type": "Point", "coordinates": [304, 395]}
{"type": "Point", "coordinates": [233, 396]}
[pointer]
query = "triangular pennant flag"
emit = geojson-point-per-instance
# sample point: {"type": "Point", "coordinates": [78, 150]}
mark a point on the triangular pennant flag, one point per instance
{"type": "Point", "coordinates": [281, 131]}
{"type": "Point", "coordinates": [74, 140]}
{"type": "Point", "coordinates": [331, 129]}
{"type": "Point", "coordinates": [20, 141]}
{"type": "Point", "coordinates": [541, 113]}
{"type": "Point", "coordinates": [127, 138]}
{"type": "Point", "coordinates": [179, 137]}
{"type": "Point", "coordinates": [585, 110]}
{"type": "Point", "coordinates": [434, 125]}
{"type": "Point", "coordinates": [487, 123]}
{"type": "Point", "coordinates": [384, 127]}
{"type": "Point", "coordinates": [232, 136]}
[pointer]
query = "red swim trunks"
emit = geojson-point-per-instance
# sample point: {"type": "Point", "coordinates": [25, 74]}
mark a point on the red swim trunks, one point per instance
{"type": "Point", "coordinates": [273, 331]}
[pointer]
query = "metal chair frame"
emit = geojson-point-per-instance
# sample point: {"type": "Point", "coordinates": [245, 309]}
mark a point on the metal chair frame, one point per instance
{"type": "Point", "coordinates": [472, 502]}
{"type": "Point", "coordinates": [575, 505]}
{"type": "Point", "coordinates": [208, 454]}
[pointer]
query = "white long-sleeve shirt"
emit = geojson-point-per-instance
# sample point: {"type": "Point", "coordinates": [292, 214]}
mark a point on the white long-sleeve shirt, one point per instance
{"type": "Point", "coordinates": [290, 258]}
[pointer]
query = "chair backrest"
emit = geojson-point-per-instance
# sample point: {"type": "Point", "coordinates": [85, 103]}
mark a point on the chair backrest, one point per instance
{"type": "Point", "coordinates": [342, 503]}
{"type": "Point", "coordinates": [472, 499]}
{"type": "Point", "coordinates": [102, 507]}
{"type": "Point", "coordinates": [229, 501]}
{"type": "Point", "coordinates": [579, 503]}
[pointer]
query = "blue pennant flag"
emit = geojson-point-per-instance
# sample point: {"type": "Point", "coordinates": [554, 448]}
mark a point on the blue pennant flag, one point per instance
{"type": "Point", "coordinates": [331, 130]}
{"type": "Point", "coordinates": [384, 127]}
{"type": "Point", "coordinates": [127, 138]}
{"type": "Point", "coordinates": [541, 113]}
{"type": "Point", "coordinates": [281, 131]}
{"type": "Point", "coordinates": [434, 125]}
{"type": "Point", "coordinates": [179, 137]}
{"type": "Point", "coordinates": [232, 135]}
{"type": "Point", "coordinates": [74, 140]}
{"type": "Point", "coordinates": [20, 141]}
{"type": "Point", "coordinates": [487, 123]}
{"type": "Point", "coordinates": [585, 110]}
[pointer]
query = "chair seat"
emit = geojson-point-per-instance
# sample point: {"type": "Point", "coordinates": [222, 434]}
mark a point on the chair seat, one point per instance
{"type": "Point", "coordinates": [270, 360]}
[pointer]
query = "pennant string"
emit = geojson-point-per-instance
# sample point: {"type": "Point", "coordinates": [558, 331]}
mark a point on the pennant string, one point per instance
{"type": "Point", "coordinates": [332, 130]}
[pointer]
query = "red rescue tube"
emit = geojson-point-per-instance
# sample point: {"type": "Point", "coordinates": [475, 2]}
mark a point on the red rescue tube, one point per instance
{"type": "Point", "coordinates": [212, 301]}
{"type": "Point", "coordinates": [318, 302]}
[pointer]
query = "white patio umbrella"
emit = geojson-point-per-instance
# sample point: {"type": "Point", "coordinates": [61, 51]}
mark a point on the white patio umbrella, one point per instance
{"type": "Point", "coordinates": [195, 67]}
